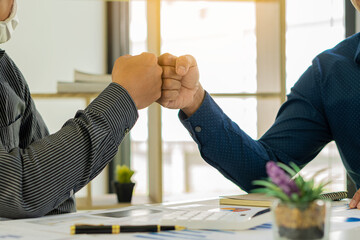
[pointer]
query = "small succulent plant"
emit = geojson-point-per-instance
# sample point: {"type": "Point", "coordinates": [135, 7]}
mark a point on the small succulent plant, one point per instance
{"type": "Point", "coordinates": [123, 174]}
{"type": "Point", "coordinates": [288, 185]}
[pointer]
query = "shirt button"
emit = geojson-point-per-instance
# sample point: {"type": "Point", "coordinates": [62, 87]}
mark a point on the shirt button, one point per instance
{"type": "Point", "coordinates": [126, 131]}
{"type": "Point", "coordinates": [197, 129]}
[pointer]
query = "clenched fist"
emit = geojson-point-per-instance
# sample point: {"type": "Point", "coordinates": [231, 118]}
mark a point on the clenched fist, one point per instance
{"type": "Point", "coordinates": [140, 75]}
{"type": "Point", "coordinates": [181, 88]}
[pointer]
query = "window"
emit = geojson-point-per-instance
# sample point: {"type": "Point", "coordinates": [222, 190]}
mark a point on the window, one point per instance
{"type": "Point", "coordinates": [222, 36]}
{"type": "Point", "coordinates": [240, 48]}
{"type": "Point", "coordinates": [236, 44]}
{"type": "Point", "coordinates": [308, 35]}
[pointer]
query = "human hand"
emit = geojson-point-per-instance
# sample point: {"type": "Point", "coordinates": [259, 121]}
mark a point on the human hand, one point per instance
{"type": "Point", "coordinates": [5, 9]}
{"type": "Point", "coordinates": [356, 4]}
{"type": "Point", "coordinates": [355, 201]}
{"type": "Point", "coordinates": [181, 88]}
{"type": "Point", "coordinates": [140, 75]}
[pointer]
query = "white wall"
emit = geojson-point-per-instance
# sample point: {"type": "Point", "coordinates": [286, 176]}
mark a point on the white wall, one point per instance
{"type": "Point", "coordinates": [56, 36]}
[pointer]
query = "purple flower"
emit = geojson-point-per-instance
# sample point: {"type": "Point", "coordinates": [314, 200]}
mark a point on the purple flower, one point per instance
{"type": "Point", "coordinates": [281, 178]}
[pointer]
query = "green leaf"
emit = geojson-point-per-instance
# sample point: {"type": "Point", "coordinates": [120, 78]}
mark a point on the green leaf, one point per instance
{"type": "Point", "coordinates": [281, 195]}
{"type": "Point", "coordinates": [267, 184]}
{"type": "Point", "coordinates": [123, 174]}
{"type": "Point", "coordinates": [308, 186]}
{"type": "Point", "coordinates": [299, 181]}
{"type": "Point", "coordinates": [287, 169]}
{"type": "Point", "coordinates": [271, 189]}
{"type": "Point", "coordinates": [295, 167]}
{"type": "Point", "coordinates": [259, 190]}
{"type": "Point", "coordinates": [260, 182]}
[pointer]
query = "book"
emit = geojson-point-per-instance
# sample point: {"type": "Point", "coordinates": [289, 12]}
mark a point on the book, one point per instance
{"type": "Point", "coordinates": [80, 76]}
{"type": "Point", "coordinates": [250, 199]}
{"type": "Point", "coordinates": [81, 87]}
{"type": "Point", "coordinates": [85, 83]}
{"type": "Point", "coordinates": [263, 200]}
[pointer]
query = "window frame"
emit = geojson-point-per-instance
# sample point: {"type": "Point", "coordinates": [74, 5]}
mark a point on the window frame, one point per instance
{"type": "Point", "coordinates": [271, 11]}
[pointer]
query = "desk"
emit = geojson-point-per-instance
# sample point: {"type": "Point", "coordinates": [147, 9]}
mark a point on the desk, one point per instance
{"type": "Point", "coordinates": [58, 227]}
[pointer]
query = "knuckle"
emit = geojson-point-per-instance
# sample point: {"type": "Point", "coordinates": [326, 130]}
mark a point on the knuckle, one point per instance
{"type": "Point", "coordinates": [190, 57]}
{"type": "Point", "coordinates": [166, 84]}
{"type": "Point", "coordinates": [149, 57]}
{"type": "Point", "coordinates": [165, 94]}
{"type": "Point", "coordinates": [166, 56]}
{"type": "Point", "coordinates": [152, 58]}
{"type": "Point", "coordinates": [170, 95]}
{"type": "Point", "coordinates": [166, 71]}
{"type": "Point", "coordinates": [160, 70]}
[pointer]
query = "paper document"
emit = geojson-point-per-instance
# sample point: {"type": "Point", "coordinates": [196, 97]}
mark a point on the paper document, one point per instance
{"type": "Point", "coordinates": [57, 227]}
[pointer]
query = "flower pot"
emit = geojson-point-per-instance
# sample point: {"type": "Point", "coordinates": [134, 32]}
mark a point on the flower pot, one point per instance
{"type": "Point", "coordinates": [124, 191]}
{"type": "Point", "coordinates": [308, 221]}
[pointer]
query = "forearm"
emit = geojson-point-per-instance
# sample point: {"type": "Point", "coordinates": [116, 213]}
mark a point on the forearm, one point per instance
{"type": "Point", "coordinates": [35, 180]}
{"type": "Point", "coordinates": [298, 134]}
{"type": "Point", "coordinates": [225, 146]}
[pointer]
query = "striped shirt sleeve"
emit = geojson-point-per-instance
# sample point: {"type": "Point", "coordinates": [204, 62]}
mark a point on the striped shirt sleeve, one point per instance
{"type": "Point", "coordinates": [39, 173]}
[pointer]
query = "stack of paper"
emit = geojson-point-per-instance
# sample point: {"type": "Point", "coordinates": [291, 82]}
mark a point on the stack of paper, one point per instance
{"type": "Point", "coordinates": [251, 199]}
{"type": "Point", "coordinates": [263, 200]}
{"type": "Point", "coordinates": [85, 83]}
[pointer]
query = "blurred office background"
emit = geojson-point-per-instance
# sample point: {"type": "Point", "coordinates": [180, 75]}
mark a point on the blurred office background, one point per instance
{"type": "Point", "coordinates": [249, 54]}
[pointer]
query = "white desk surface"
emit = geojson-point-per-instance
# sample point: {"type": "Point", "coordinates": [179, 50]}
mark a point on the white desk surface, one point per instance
{"type": "Point", "coordinates": [58, 227]}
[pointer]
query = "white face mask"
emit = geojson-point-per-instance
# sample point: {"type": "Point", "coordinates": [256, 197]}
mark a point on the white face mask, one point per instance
{"type": "Point", "coordinates": [8, 26]}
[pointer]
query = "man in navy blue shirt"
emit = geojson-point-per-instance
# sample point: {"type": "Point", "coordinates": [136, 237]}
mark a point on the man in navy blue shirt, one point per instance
{"type": "Point", "coordinates": [324, 105]}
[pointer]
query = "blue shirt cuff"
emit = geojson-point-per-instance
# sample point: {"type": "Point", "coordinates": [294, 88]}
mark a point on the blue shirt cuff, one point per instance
{"type": "Point", "coordinates": [204, 121]}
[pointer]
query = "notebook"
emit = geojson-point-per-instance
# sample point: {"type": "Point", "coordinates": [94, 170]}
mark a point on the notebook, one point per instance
{"type": "Point", "coordinates": [263, 200]}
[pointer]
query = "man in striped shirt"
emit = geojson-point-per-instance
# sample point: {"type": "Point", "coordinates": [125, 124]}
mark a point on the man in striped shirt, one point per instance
{"type": "Point", "coordinates": [39, 173]}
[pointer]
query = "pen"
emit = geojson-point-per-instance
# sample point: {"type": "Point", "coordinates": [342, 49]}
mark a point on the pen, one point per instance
{"type": "Point", "coordinates": [114, 229]}
{"type": "Point", "coordinates": [261, 212]}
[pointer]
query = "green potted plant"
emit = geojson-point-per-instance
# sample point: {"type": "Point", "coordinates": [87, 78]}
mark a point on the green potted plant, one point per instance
{"type": "Point", "coordinates": [299, 211]}
{"type": "Point", "coordinates": [123, 186]}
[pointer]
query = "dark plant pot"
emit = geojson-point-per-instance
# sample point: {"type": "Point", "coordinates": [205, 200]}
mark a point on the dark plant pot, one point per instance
{"type": "Point", "coordinates": [124, 191]}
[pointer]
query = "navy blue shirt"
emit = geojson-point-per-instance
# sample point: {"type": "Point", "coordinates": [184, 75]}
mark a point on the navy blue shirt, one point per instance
{"type": "Point", "coordinates": [323, 105]}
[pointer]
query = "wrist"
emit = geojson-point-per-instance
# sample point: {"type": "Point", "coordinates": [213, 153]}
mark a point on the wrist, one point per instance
{"type": "Point", "coordinates": [196, 103]}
